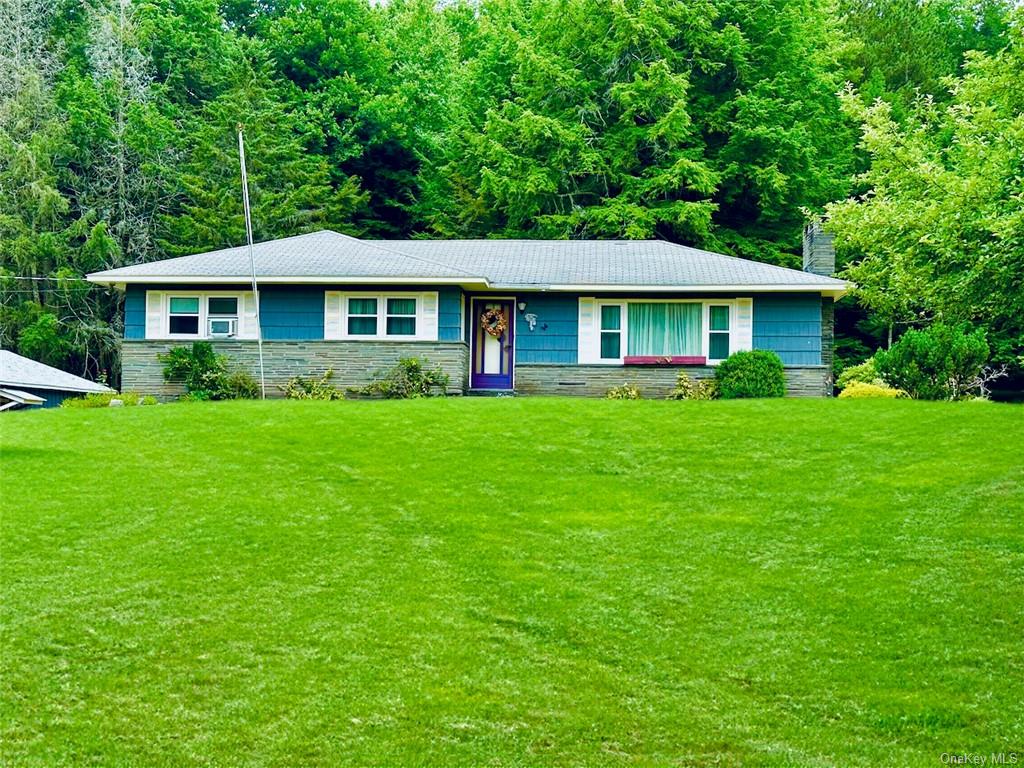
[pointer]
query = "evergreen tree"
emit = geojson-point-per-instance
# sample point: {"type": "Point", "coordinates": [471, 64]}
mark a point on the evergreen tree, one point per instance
{"type": "Point", "coordinates": [592, 136]}
{"type": "Point", "coordinates": [290, 189]}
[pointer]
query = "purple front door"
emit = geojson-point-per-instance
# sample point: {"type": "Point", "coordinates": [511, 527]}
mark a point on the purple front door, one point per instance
{"type": "Point", "coordinates": [491, 356]}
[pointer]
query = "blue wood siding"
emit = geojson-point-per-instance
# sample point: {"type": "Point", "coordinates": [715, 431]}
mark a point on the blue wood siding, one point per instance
{"type": "Point", "coordinates": [449, 299]}
{"type": "Point", "coordinates": [789, 325]}
{"type": "Point", "coordinates": [295, 312]}
{"type": "Point", "coordinates": [292, 312]}
{"type": "Point", "coordinates": [53, 397]}
{"type": "Point", "coordinates": [554, 338]}
{"type": "Point", "coordinates": [135, 312]}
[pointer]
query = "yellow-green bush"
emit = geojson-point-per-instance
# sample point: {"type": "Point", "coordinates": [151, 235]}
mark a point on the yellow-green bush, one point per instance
{"type": "Point", "coordinates": [862, 389]}
{"type": "Point", "coordinates": [864, 373]}
{"type": "Point", "coordinates": [102, 400]}
{"type": "Point", "coordinates": [693, 389]}
{"type": "Point", "coordinates": [627, 391]}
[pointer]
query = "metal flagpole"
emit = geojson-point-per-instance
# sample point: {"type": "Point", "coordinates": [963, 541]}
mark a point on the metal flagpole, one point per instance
{"type": "Point", "coordinates": [252, 259]}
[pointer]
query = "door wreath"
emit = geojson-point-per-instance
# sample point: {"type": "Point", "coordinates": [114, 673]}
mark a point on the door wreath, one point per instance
{"type": "Point", "coordinates": [493, 321]}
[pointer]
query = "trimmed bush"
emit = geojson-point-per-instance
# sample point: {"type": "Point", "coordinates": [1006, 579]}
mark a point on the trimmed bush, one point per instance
{"type": "Point", "coordinates": [102, 400]}
{"type": "Point", "coordinates": [693, 389]}
{"type": "Point", "coordinates": [856, 390]}
{"type": "Point", "coordinates": [626, 392]}
{"type": "Point", "coordinates": [755, 373]}
{"type": "Point", "coordinates": [942, 362]}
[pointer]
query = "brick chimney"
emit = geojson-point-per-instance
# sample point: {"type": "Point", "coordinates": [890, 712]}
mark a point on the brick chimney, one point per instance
{"type": "Point", "coordinates": [819, 250]}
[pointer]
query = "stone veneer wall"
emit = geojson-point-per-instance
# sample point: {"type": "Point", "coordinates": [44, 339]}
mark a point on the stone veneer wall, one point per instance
{"type": "Point", "coordinates": [828, 336]}
{"type": "Point", "coordinates": [354, 362]}
{"type": "Point", "coordinates": [654, 381]}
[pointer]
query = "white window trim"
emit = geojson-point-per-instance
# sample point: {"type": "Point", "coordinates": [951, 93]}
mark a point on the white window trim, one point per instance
{"type": "Point", "coordinates": [623, 330]}
{"type": "Point", "coordinates": [415, 315]}
{"type": "Point", "coordinates": [421, 334]}
{"type": "Point", "coordinates": [198, 315]}
{"type": "Point", "coordinates": [706, 336]}
{"type": "Point", "coordinates": [346, 316]}
{"type": "Point", "coordinates": [705, 344]}
{"type": "Point", "coordinates": [204, 314]}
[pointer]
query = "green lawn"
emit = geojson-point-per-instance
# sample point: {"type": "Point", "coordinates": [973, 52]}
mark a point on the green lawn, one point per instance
{"type": "Point", "coordinates": [512, 582]}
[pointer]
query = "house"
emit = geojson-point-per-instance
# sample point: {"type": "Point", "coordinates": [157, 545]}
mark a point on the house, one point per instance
{"type": "Point", "coordinates": [529, 316]}
{"type": "Point", "coordinates": [25, 382]}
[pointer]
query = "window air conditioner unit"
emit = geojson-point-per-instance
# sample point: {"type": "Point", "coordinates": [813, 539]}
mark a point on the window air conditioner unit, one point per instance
{"type": "Point", "coordinates": [223, 327]}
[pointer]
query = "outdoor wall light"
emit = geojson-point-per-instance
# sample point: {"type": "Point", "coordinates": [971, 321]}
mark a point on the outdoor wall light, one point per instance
{"type": "Point", "coordinates": [522, 306]}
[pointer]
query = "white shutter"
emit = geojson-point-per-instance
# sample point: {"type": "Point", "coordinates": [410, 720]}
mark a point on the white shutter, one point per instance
{"type": "Point", "coordinates": [427, 323]}
{"type": "Point", "coordinates": [332, 314]}
{"type": "Point", "coordinates": [588, 340]}
{"type": "Point", "coordinates": [154, 314]}
{"type": "Point", "coordinates": [743, 333]}
{"type": "Point", "coordinates": [247, 322]}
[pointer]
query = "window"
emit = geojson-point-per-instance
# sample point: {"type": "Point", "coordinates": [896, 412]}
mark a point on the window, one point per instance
{"type": "Point", "coordinates": [664, 329]}
{"type": "Point", "coordinates": [611, 331]}
{"type": "Point", "coordinates": [401, 317]}
{"type": "Point", "coordinates": [647, 331]}
{"type": "Point", "coordinates": [362, 317]}
{"type": "Point", "coordinates": [183, 316]}
{"type": "Point", "coordinates": [198, 315]}
{"type": "Point", "coordinates": [718, 332]}
{"type": "Point", "coordinates": [222, 315]}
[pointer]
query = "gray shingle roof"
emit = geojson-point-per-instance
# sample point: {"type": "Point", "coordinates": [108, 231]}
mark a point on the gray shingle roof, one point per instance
{"type": "Point", "coordinates": [326, 256]}
{"type": "Point", "coordinates": [18, 371]}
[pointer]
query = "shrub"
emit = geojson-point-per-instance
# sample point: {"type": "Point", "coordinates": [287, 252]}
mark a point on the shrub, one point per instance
{"type": "Point", "coordinates": [626, 392]}
{"type": "Point", "coordinates": [694, 389]}
{"type": "Point", "coordinates": [205, 374]}
{"type": "Point", "coordinates": [299, 388]}
{"type": "Point", "coordinates": [754, 373]}
{"type": "Point", "coordinates": [846, 353]}
{"type": "Point", "coordinates": [102, 400]}
{"type": "Point", "coordinates": [239, 385]}
{"type": "Point", "coordinates": [942, 362]}
{"type": "Point", "coordinates": [865, 373]}
{"type": "Point", "coordinates": [410, 378]}
{"type": "Point", "coordinates": [196, 366]}
{"type": "Point", "coordinates": [856, 390]}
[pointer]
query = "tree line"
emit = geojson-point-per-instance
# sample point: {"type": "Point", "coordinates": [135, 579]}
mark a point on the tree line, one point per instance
{"type": "Point", "coordinates": [722, 124]}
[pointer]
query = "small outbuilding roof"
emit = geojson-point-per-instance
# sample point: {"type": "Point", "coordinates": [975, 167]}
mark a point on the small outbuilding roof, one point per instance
{"type": "Point", "coordinates": [22, 373]}
{"type": "Point", "coordinates": [330, 257]}
{"type": "Point", "coordinates": [17, 397]}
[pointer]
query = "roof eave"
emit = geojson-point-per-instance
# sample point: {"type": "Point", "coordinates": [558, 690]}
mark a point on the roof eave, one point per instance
{"type": "Point", "coordinates": [97, 388]}
{"type": "Point", "coordinates": [834, 290]}
{"type": "Point", "coordinates": [120, 281]}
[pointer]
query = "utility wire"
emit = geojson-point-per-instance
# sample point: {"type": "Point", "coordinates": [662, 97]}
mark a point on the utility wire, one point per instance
{"type": "Point", "coordinates": [56, 279]}
{"type": "Point", "coordinates": [48, 290]}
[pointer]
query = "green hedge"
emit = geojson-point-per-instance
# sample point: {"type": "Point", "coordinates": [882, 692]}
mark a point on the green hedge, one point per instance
{"type": "Point", "coordinates": [756, 373]}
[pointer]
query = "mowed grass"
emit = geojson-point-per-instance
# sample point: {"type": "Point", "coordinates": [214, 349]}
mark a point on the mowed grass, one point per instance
{"type": "Point", "coordinates": [512, 582]}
